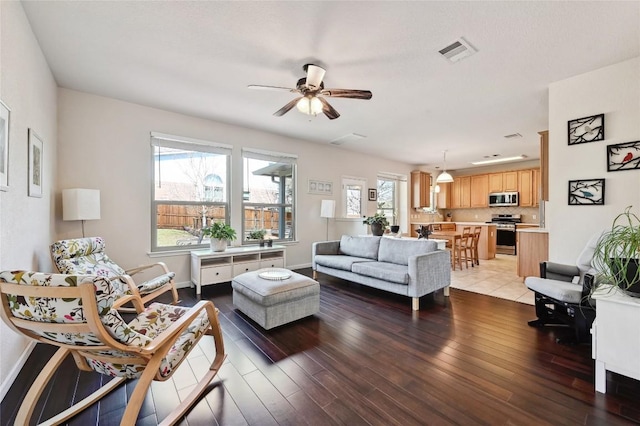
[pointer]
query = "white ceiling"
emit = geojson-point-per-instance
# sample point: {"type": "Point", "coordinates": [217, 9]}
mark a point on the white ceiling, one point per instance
{"type": "Point", "coordinates": [197, 58]}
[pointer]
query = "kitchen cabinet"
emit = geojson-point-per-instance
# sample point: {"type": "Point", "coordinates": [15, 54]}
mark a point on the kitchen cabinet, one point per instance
{"type": "Point", "coordinates": [525, 187]}
{"type": "Point", "coordinates": [444, 196]}
{"type": "Point", "coordinates": [544, 165]}
{"type": "Point", "coordinates": [420, 189]}
{"type": "Point", "coordinates": [487, 242]}
{"type": "Point", "coordinates": [503, 182]}
{"type": "Point", "coordinates": [532, 247]}
{"type": "Point", "coordinates": [461, 193]}
{"type": "Point", "coordinates": [479, 191]}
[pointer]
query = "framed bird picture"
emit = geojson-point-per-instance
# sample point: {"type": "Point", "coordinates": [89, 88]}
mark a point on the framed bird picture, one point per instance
{"type": "Point", "coordinates": [623, 156]}
{"type": "Point", "coordinates": [586, 129]}
{"type": "Point", "coordinates": [586, 192]}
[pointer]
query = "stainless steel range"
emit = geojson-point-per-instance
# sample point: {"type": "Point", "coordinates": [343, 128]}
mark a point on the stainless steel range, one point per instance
{"type": "Point", "coordinates": [506, 232]}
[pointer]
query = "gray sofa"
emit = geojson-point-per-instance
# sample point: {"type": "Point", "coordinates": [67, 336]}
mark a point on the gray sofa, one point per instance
{"type": "Point", "coordinates": [404, 266]}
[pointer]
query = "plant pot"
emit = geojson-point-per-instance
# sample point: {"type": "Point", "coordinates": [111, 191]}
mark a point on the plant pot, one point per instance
{"type": "Point", "coordinates": [218, 244]}
{"type": "Point", "coordinates": [377, 229]}
{"type": "Point", "coordinates": [395, 229]}
{"type": "Point", "coordinates": [269, 243]}
{"type": "Point", "coordinates": [630, 276]}
{"type": "Point", "coordinates": [261, 243]}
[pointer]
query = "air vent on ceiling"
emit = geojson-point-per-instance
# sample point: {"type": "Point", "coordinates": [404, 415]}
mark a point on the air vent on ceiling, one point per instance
{"type": "Point", "coordinates": [351, 137]}
{"type": "Point", "coordinates": [457, 50]}
{"type": "Point", "coordinates": [513, 135]}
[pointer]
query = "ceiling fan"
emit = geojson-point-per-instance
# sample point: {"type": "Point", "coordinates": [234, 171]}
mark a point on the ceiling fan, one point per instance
{"type": "Point", "coordinates": [312, 90]}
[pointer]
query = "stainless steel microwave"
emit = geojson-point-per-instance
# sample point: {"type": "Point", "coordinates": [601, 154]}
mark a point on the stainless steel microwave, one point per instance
{"type": "Point", "coordinates": [499, 199]}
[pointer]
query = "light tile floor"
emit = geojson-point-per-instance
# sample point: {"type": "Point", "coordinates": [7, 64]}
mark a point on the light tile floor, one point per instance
{"type": "Point", "coordinates": [496, 277]}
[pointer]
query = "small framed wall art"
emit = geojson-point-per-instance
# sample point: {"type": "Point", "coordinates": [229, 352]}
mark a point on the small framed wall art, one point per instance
{"type": "Point", "coordinates": [586, 129]}
{"type": "Point", "coordinates": [623, 156]}
{"type": "Point", "coordinates": [4, 146]}
{"type": "Point", "coordinates": [320, 187]}
{"type": "Point", "coordinates": [373, 194]}
{"type": "Point", "coordinates": [35, 165]}
{"type": "Point", "coordinates": [586, 192]}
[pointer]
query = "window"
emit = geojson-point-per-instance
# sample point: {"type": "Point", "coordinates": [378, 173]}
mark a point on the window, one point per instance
{"type": "Point", "coordinates": [387, 203]}
{"type": "Point", "coordinates": [268, 194]}
{"type": "Point", "coordinates": [353, 196]}
{"type": "Point", "coordinates": [392, 198]}
{"type": "Point", "coordinates": [190, 190]}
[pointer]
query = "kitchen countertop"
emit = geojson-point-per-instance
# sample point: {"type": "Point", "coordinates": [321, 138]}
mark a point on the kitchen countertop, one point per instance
{"type": "Point", "coordinates": [456, 223]}
{"type": "Point", "coordinates": [534, 230]}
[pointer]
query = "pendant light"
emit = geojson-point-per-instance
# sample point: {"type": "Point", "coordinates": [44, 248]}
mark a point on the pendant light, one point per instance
{"type": "Point", "coordinates": [444, 177]}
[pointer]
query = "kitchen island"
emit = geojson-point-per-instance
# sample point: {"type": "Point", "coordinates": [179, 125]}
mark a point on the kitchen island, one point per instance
{"type": "Point", "coordinates": [487, 243]}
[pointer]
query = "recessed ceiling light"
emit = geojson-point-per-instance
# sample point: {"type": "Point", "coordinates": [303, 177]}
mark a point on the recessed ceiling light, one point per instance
{"type": "Point", "coordinates": [499, 160]}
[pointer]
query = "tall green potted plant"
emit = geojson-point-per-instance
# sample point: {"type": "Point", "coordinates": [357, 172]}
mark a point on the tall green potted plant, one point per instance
{"type": "Point", "coordinates": [616, 254]}
{"type": "Point", "coordinates": [220, 235]}
{"type": "Point", "coordinates": [378, 222]}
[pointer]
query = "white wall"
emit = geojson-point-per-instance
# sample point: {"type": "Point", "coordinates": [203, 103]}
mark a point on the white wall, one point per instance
{"type": "Point", "coordinates": [28, 88]}
{"type": "Point", "coordinates": [104, 144]}
{"type": "Point", "coordinates": [614, 91]}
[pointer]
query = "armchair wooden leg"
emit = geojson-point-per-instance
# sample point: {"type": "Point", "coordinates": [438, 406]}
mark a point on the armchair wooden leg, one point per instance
{"type": "Point", "coordinates": [315, 275]}
{"type": "Point", "coordinates": [415, 303]}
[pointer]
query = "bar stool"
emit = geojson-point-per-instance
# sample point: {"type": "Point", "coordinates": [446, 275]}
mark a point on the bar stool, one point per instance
{"type": "Point", "coordinates": [465, 248]}
{"type": "Point", "coordinates": [476, 240]}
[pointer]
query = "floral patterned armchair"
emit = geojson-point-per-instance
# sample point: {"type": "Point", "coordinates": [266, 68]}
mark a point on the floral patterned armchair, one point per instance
{"type": "Point", "coordinates": [87, 256]}
{"type": "Point", "coordinates": [76, 313]}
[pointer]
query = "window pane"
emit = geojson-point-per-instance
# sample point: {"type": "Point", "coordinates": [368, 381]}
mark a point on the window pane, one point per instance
{"type": "Point", "coordinates": [180, 224]}
{"type": "Point", "coordinates": [354, 200]}
{"type": "Point", "coordinates": [268, 194]}
{"type": "Point", "coordinates": [387, 199]}
{"type": "Point", "coordinates": [182, 175]}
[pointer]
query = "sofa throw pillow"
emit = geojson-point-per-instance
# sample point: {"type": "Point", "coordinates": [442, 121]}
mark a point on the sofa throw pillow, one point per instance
{"type": "Point", "coordinates": [398, 250]}
{"type": "Point", "coordinates": [366, 247]}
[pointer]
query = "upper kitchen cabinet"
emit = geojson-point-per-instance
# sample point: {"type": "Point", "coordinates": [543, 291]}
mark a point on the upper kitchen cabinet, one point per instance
{"type": "Point", "coordinates": [479, 191]}
{"type": "Point", "coordinates": [525, 187]}
{"type": "Point", "coordinates": [461, 192]}
{"type": "Point", "coordinates": [503, 182]}
{"type": "Point", "coordinates": [420, 189]}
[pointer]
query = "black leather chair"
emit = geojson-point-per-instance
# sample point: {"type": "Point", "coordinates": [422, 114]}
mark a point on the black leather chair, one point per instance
{"type": "Point", "coordinates": [562, 295]}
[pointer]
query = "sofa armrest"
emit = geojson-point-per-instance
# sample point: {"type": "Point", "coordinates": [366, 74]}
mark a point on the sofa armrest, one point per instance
{"type": "Point", "coordinates": [324, 247]}
{"type": "Point", "coordinates": [558, 271]}
{"type": "Point", "coordinates": [429, 272]}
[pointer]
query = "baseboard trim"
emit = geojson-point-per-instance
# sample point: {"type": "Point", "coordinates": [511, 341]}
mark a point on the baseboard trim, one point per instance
{"type": "Point", "coordinates": [6, 385]}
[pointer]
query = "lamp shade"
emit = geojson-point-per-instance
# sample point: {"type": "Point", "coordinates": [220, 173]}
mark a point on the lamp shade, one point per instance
{"type": "Point", "coordinates": [444, 177]}
{"type": "Point", "coordinates": [80, 204]}
{"type": "Point", "coordinates": [328, 208]}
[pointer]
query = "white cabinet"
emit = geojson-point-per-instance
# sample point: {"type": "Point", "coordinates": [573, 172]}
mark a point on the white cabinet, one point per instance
{"type": "Point", "coordinates": [616, 336]}
{"type": "Point", "coordinates": [212, 267]}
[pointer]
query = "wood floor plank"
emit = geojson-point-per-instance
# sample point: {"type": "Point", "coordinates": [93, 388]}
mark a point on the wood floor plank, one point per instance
{"type": "Point", "coordinates": [367, 358]}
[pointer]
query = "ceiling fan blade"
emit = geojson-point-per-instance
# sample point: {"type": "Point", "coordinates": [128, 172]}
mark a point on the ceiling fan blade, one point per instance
{"type": "Point", "coordinates": [328, 110]}
{"type": "Point", "coordinates": [285, 109]}
{"type": "Point", "coordinates": [260, 87]}
{"type": "Point", "coordinates": [315, 74]}
{"type": "Point", "coordinates": [347, 93]}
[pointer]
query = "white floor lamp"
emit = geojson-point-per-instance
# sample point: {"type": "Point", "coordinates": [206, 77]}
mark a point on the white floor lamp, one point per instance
{"type": "Point", "coordinates": [328, 210]}
{"type": "Point", "coordinates": [80, 204]}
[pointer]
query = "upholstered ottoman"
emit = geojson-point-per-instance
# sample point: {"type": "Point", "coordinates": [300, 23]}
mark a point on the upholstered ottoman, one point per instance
{"type": "Point", "coordinates": [271, 303]}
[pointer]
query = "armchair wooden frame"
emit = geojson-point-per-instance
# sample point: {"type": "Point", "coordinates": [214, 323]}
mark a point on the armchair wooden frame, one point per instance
{"type": "Point", "coordinates": [149, 357]}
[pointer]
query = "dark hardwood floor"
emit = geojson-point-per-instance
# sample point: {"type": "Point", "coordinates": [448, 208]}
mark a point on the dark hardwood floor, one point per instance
{"type": "Point", "coordinates": [366, 358]}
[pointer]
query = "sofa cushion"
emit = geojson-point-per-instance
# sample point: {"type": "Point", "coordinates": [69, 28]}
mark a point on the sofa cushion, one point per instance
{"type": "Point", "coordinates": [385, 271]}
{"type": "Point", "coordinates": [366, 247]}
{"type": "Point", "coordinates": [338, 261]}
{"type": "Point", "coordinates": [398, 250]}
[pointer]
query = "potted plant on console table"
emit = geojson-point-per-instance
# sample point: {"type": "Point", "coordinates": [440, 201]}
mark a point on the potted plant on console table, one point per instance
{"type": "Point", "coordinates": [258, 235]}
{"type": "Point", "coordinates": [378, 223]}
{"type": "Point", "coordinates": [220, 234]}
{"type": "Point", "coordinates": [616, 254]}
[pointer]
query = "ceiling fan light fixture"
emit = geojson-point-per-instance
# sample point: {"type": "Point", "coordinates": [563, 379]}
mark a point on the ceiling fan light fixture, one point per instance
{"type": "Point", "coordinates": [309, 105]}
